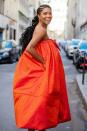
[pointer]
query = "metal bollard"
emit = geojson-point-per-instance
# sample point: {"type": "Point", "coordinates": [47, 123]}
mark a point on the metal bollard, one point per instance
{"type": "Point", "coordinates": [83, 74]}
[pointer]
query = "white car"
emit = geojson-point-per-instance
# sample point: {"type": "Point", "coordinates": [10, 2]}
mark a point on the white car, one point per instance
{"type": "Point", "coordinates": [72, 46]}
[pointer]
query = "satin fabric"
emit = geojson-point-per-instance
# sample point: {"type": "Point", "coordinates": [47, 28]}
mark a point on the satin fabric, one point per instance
{"type": "Point", "coordinates": [40, 95]}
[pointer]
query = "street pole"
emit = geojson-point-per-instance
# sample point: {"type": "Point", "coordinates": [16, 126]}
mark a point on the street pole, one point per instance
{"type": "Point", "coordinates": [83, 74]}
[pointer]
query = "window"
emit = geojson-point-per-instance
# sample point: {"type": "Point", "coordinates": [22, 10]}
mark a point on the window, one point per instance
{"type": "Point", "coordinates": [14, 37]}
{"type": "Point", "coordinates": [84, 27]}
{"type": "Point", "coordinates": [11, 33]}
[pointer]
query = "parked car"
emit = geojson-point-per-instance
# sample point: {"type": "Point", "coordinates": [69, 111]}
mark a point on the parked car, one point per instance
{"type": "Point", "coordinates": [71, 47]}
{"type": "Point", "coordinates": [62, 43]}
{"type": "Point", "coordinates": [80, 55]}
{"type": "Point", "coordinates": [9, 51]}
{"type": "Point", "coordinates": [67, 44]}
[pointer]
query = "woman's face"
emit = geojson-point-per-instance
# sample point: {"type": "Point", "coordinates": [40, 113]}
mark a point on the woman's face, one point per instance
{"type": "Point", "coordinates": [45, 16]}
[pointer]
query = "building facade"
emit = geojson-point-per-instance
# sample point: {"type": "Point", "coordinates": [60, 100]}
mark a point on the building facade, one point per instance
{"type": "Point", "coordinates": [71, 20]}
{"type": "Point", "coordinates": [22, 16]}
{"type": "Point", "coordinates": [81, 19]}
{"type": "Point", "coordinates": [76, 26]}
{"type": "Point", "coordinates": [15, 16]}
{"type": "Point", "coordinates": [8, 20]}
{"type": "Point", "coordinates": [1, 14]}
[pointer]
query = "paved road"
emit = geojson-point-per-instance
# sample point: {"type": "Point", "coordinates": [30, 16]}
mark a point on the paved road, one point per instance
{"type": "Point", "coordinates": [78, 113]}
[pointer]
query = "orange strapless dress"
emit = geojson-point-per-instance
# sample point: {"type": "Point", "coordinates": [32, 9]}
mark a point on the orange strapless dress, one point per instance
{"type": "Point", "coordinates": [40, 95]}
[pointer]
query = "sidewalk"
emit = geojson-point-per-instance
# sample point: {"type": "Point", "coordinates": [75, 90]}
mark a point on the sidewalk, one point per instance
{"type": "Point", "coordinates": [82, 88]}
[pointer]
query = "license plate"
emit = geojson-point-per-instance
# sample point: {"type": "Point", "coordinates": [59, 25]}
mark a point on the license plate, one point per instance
{"type": "Point", "coordinates": [86, 58]}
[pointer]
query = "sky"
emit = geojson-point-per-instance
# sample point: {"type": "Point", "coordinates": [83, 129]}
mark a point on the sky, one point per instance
{"type": "Point", "coordinates": [59, 11]}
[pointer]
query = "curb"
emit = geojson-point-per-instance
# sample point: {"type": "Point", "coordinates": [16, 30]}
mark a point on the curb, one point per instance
{"type": "Point", "coordinates": [82, 89]}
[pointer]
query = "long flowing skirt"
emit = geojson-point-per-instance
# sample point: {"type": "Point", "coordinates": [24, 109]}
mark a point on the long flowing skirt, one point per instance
{"type": "Point", "coordinates": [40, 95]}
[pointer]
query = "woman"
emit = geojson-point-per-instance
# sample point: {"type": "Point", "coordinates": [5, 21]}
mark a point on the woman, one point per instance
{"type": "Point", "coordinates": [40, 96]}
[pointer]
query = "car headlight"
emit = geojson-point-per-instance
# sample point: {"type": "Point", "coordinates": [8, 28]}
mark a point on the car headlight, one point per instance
{"type": "Point", "coordinates": [6, 54]}
{"type": "Point", "coordinates": [82, 54]}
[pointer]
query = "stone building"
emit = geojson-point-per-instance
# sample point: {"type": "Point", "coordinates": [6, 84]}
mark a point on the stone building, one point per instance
{"type": "Point", "coordinates": [15, 16]}
{"type": "Point", "coordinates": [1, 14]}
{"type": "Point", "coordinates": [8, 19]}
{"type": "Point", "coordinates": [81, 19]}
{"type": "Point", "coordinates": [71, 20]}
{"type": "Point", "coordinates": [76, 25]}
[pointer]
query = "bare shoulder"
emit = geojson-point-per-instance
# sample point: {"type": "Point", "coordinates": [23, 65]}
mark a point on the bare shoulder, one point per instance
{"type": "Point", "coordinates": [38, 34]}
{"type": "Point", "coordinates": [40, 30]}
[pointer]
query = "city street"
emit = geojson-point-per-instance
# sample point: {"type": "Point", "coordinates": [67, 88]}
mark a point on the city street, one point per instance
{"type": "Point", "coordinates": [78, 112]}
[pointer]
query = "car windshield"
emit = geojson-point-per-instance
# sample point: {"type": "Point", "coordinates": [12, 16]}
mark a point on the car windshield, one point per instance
{"type": "Point", "coordinates": [83, 46]}
{"type": "Point", "coordinates": [5, 44]}
{"type": "Point", "coordinates": [75, 42]}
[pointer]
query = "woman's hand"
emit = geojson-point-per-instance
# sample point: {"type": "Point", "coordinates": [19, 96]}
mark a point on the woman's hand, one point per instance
{"type": "Point", "coordinates": [44, 64]}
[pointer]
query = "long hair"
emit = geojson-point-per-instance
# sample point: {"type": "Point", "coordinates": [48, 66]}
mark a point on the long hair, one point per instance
{"type": "Point", "coordinates": [26, 36]}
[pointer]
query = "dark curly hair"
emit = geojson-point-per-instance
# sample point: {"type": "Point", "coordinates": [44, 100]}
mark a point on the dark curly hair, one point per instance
{"type": "Point", "coordinates": [26, 36]}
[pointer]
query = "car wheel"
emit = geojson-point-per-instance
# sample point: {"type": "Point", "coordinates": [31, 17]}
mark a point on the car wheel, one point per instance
{"type": "Point", "coordinates": [18, 56]}
{"type": "Point", "coordinates": [73, 61]}
{"type": "Point", "coordinates": [11, 60]}
{"type": "Point", "coordinates": [77, 65]}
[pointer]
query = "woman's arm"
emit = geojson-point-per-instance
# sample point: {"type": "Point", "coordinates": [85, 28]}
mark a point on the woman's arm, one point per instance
{"type": "Point", "coordinates": [38, 34]}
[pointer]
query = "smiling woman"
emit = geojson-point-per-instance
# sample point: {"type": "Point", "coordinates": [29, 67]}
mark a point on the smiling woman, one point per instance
{"type": "Point", "coordinates": [40, 96]}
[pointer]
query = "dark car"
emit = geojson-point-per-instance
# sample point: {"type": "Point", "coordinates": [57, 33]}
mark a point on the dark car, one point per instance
{"type": "Point", "coordinates": [80, 55]}
{"type": "Point", "coordinates": [9, 51]}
